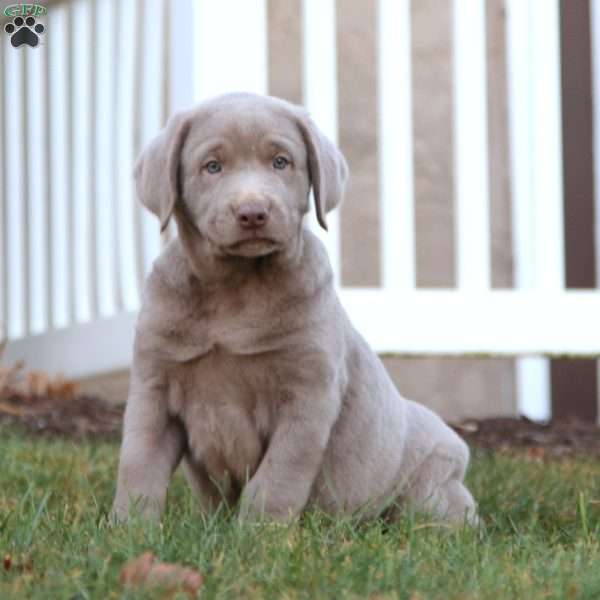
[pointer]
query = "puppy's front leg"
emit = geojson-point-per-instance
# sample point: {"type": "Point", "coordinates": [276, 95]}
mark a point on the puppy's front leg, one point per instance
{"type": "Point", "coordinates": [151, 450]}
{"type": "Point", "coordinates": [282, 484]}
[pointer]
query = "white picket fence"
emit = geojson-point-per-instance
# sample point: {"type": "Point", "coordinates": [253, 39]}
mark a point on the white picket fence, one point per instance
{"type": "Point", "coordinates": [75, 112]}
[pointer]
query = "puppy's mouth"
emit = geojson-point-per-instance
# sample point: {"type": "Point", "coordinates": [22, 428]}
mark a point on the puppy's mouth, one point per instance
{"type": "Point", "coordinates": [252, 247]}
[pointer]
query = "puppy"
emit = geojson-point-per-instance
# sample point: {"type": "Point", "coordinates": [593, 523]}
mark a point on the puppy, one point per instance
{"type": "Point", "coordinates": [246, 367]}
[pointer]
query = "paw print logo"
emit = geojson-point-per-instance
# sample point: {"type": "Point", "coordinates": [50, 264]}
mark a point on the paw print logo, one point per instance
{"type": "Point", "coordinates": [24, 31]}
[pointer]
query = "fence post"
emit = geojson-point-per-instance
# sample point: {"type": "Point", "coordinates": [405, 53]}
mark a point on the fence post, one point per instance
{"type": "Point", "coordinates": [574, 387]}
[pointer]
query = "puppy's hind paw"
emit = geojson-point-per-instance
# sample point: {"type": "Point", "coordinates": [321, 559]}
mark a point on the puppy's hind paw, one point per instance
{"type": "Point", "coordinates": [460, 506]}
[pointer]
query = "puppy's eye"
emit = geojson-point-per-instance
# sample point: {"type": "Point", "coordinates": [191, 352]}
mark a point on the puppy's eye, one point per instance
{"type": "Point", "coordinates": [280, 162]}
{"type": "Point", "coordinates": [213, 166]}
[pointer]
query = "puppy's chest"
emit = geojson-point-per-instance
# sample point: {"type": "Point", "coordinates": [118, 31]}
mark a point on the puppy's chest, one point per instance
{"type": "Point", "coordinates": [230, 361]}
{"type": "Point", "coordinates": [227, 327]}
{"type": "Point", "coordinates": [224, 352]}
{"type": "Point", "coordinates": [228, 409]}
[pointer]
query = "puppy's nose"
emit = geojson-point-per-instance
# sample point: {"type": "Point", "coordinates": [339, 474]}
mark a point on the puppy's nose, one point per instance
{"type": "Point", "coordinates": [251, 216]}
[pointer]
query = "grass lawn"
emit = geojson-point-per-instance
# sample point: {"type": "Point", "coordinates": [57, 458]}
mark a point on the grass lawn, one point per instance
{"type": "Point", "coordinates": [540, 538]}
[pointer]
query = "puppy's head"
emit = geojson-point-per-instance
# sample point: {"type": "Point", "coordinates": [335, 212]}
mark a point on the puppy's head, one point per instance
{"type": "Point", "coordinates": [239, 169]}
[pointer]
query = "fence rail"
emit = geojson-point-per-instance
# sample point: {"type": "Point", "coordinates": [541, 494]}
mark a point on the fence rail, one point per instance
{"type": "Point", "coordinates": [76, 110]}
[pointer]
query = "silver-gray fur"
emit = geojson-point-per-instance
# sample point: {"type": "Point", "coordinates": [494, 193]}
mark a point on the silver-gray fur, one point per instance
{"type": "Point", "coordinates": [246, 367]}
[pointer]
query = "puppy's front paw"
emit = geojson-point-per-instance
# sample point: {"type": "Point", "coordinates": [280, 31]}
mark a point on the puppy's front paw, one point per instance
{"type": "Point", "coordinates": [253, 503]}
{"type": "Point", "coordinates": [118, 513]}
{"type": "Point", "coordinates": [144, 508]}
{"type": "Point", "coordinates": [257, 504]}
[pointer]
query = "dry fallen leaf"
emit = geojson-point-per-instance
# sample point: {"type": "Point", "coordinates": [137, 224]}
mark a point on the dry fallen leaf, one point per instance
{"type": "Point", "coordinates": [61, 387]}
{"type": "Point", "coordinates": [39, 383]}
{"type": "Point", "coordinates": [146, 570]}
{"type": "Point", "coordinates": [25, 565]}
{"type": "Point", "coordinates": [10, 377]}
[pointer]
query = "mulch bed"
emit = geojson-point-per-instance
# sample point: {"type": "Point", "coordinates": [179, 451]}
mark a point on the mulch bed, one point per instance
{"type": "Point", "coordinates": [79, 416]}
{"type": "Point", "coordinates": [556, 439]}
{"type": "Point", "coordinates": [76, 417]}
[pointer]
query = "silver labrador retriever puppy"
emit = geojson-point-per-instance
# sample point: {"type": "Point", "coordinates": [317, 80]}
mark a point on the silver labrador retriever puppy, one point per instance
{"type": "Point", "coordinates": [246, 367]}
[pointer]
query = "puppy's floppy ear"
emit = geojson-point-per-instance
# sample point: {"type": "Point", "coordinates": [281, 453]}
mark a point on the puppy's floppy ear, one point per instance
{"type": "Point", "coordinates": [156, 171]}
{"type": "Point", "coordinates": [327, 168]}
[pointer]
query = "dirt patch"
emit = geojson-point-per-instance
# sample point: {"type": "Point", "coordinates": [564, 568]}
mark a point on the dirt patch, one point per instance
{"type": "Point", "coordinates": [53, 406]}
{"type": "Point", "coordinates": [555, 439]}
{"type": "Point", "coordinates": [77, 417]}
{"type": "Point", "coordinates": [83, 416]}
